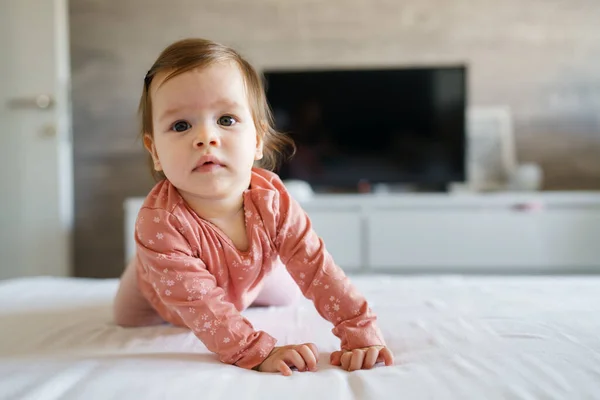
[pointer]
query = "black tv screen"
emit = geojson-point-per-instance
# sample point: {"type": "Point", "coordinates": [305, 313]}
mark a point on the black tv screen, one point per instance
{"type": "Point", "coordinates": [394, 126]}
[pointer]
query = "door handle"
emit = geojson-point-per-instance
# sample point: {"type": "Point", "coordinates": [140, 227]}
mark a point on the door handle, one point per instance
{"type": "Point", "coordinates": [39, 102]}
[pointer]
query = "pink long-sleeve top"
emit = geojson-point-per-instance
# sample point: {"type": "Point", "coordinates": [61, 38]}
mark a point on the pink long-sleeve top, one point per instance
{"type": "Point", "coordinates": [194, 276]}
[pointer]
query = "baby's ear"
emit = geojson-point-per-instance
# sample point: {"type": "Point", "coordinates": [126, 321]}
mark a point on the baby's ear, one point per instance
{"type": "Point", "coordinates": [149, 145]}
{"type": "Point", "coordinates": [258, 155]}
{"type": "Point", "coordinates": [260, 134]}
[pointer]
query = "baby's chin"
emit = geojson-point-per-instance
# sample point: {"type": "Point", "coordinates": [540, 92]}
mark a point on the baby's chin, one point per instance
{"type": "Point", "coordinates": [214, 189]}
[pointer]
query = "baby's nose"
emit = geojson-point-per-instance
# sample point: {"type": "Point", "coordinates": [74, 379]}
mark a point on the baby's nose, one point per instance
{"type": "Point", "coordinates": [206, 136]}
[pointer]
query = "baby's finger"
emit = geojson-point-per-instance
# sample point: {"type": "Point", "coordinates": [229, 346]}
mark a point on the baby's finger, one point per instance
{"type": "Point", "coordinates": [294, 358]}
{"type": "Point", "coordinates": [387, 356]}
{"type": "Point", "coordinates": [335, 358]}
{"type": "Point", "coordinates": [356, 362]}
{"type": "Point", "coordinates": [345, 360]}
{"type": "Point", "coordinates": [308, 356]}
{"type": "Point", "coordinates": [370, 358]}
{"type": "Point", "coordinates": [314, 349]}
{"type": "Point", "coordinates": [283, 368]}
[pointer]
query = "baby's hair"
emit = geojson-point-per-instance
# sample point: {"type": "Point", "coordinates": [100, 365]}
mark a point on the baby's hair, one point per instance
{"type": "Point", "coordinates": [189, 54]}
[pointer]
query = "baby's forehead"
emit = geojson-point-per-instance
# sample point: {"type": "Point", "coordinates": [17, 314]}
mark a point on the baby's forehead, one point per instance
{"type": "Point", "coordinates": [225, 79]}
{"type": "Point", "coordinates": [208, 72]}
{"type": "Point", "coordinates": [199, 88]}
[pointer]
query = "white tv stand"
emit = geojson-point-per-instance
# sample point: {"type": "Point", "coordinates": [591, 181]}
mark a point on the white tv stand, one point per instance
{"type": "Point", "coordinates": [484, 233]}
{"type": "Point", "coordinates": [451, 233]}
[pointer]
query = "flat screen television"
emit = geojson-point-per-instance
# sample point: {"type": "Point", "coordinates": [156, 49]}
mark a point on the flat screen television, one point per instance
{"type": "Point", "coordinates": [390, 125]}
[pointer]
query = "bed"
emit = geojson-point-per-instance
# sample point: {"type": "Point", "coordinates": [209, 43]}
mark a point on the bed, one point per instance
{"type": "Point", "coordinates": [453, 337]}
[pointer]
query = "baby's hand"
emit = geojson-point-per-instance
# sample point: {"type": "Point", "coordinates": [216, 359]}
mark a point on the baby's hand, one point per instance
{"type": "Point", "coordinates": [364, 358]}
{"type": "Point", "coordinates": [302, 356]}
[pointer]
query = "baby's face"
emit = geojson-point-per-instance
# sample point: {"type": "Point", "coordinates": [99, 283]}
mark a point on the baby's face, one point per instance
{"type": "Point", "coordinates": [204, 140]}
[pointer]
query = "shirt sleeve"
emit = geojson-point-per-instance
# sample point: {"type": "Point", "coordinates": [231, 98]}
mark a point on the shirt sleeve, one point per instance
{"type": "Point", "coordinates": [321, 280]}
{"type": "Point", "coordinates": [186, 288]}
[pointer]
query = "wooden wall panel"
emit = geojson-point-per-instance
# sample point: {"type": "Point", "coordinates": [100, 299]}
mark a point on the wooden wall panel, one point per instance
{"type": "Point", "coordinates": [539, 57]}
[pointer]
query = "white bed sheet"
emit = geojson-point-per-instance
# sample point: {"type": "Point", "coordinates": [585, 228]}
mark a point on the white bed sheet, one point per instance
{"type": "Point", "coordinates": [453, 338]}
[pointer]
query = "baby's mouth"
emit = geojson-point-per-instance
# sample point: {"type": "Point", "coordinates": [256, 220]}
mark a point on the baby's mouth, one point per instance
{"type": "Point", "coordinates": [207, 163]}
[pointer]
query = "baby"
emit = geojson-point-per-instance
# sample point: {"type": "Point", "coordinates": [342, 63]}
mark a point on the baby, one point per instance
{"type": "Point", "coordinates": [213, 232]}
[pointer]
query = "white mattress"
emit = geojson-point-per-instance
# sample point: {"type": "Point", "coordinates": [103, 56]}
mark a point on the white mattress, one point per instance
{"type": "Point", "coordinates": [453, 337]}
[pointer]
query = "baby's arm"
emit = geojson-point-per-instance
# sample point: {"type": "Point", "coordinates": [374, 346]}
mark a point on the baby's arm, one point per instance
{"type": "Point", "coordinates": [186, 288]}
{"type": "Point", "coordinates": [321, 280]}
{"type": "Point", "coordinates": [130, 308]}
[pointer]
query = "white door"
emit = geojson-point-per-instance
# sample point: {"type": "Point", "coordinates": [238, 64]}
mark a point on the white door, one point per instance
{"type": "Point", "coordinates": [36, 201]}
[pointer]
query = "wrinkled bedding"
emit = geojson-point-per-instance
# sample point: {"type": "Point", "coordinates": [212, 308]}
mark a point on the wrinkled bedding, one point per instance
{"type": "Point", "coordinates": [453, 337]}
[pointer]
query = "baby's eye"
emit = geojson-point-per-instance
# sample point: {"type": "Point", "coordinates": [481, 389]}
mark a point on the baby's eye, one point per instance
{"type": "Point", "coordinates": [227, 120]}
{"type": "Point", "coordinates": [181, 126]}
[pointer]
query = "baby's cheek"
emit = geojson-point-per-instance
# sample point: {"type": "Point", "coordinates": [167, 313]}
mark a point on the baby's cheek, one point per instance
{"type": "Point", "coordinates": [174, 169]}
{"type": "Point", "coordinates": [174, 163]}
